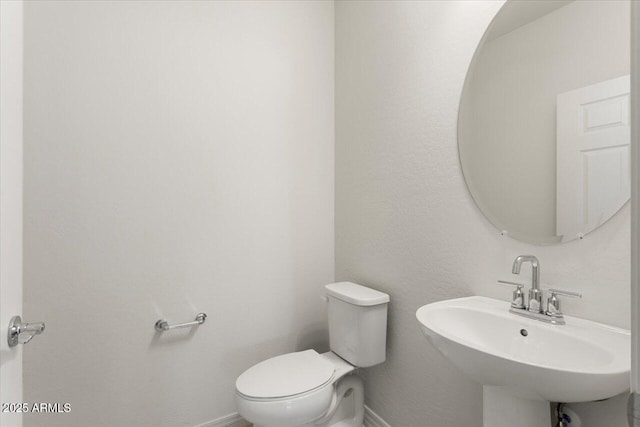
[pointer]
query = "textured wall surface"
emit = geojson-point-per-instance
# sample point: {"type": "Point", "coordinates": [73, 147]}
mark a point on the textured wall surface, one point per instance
{"type": "Point", "coordinates": [178, 158]}
{"type": "Point", "coordinates": [405, 222]}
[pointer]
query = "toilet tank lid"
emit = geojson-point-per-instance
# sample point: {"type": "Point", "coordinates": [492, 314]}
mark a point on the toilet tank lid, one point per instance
{"type": "Point", "coordinates": [356, 294]}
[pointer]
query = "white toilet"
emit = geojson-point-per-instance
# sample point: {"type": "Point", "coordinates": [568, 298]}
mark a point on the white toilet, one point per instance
{"type": "Point", "coordinates": [305, 389]}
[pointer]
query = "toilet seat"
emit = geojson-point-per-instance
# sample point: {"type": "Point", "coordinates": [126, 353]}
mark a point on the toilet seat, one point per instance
{"type": "Point", "coordinates": [291, 390]}
{"type": "Point", "coordinates": [286, 376]}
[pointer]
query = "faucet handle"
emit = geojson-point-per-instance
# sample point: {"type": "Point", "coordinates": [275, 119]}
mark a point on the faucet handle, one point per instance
{"type": "Point", "coordinates": [565, 293]}
{"type": "Point", "coordinates": [518, 296]}
{"type": "Point", "coordinates": [553, 303]}
{"type": "Point", "coordinates": [506, 282]}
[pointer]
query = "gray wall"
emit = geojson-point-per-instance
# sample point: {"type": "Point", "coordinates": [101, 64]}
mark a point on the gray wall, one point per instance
{"type": "Point", "coordinates": [178, 158]}
{"type": "Point", "coordinates": [405, 222]}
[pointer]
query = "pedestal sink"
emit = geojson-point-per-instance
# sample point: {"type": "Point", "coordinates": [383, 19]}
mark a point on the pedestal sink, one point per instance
{"type": "Point", "coordinates": [524, 363]}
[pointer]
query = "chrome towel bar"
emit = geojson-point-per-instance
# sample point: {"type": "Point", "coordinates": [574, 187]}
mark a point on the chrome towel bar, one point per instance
{"type": "Point", "coordinates": [163, 325]}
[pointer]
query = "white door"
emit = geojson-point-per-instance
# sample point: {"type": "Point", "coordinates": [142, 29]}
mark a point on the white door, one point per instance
{"type": "Point", "coordinates": [10, 204]}
{"type": "Point", "coordinates": [593, 136]}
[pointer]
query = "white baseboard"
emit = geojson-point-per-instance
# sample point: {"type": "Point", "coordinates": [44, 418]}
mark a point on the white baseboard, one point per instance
{"type": "Point", "coordinates": [231, 420]}
{"type": "Point", "coordinates": [371, 419]}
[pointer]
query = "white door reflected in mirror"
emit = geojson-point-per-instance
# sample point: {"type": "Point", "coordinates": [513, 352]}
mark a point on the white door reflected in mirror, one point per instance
{"type": "Point", "coordinates": [593, 181]}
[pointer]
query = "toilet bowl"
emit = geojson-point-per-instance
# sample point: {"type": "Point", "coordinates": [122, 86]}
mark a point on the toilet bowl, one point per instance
{"type": "Point", "coordinates": [305, 389]}
{"type": "Point", "coordinates": [297, 389]}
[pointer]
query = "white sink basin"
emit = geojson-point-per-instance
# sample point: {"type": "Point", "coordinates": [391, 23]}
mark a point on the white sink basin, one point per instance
{"type": "Point", "coordinates": [577, 362]}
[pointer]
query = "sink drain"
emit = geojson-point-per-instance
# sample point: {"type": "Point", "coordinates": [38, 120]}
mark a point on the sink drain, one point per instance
{"type": "Point", "coordinates": [524, 332]}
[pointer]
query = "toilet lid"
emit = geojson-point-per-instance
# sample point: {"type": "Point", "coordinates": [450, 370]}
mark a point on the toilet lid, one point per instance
{"type": "Point", "coordinates": [285, 375]}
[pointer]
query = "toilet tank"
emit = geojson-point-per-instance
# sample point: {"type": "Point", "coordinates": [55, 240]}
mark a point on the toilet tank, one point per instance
{"type": "Point", "coordinates": [357, 323]}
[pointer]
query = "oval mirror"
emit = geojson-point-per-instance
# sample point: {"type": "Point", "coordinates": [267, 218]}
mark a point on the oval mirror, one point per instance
{"type": "Point", "coordinates": [543, 127]}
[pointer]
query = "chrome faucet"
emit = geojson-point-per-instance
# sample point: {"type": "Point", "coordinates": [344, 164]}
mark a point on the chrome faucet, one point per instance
{"type": "Point", "coordinates": [533, 308]}
{"type": "Point", "coordinates": [535, 294]}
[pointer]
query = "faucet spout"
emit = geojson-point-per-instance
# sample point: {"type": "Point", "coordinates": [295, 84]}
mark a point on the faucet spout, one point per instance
{"type": "Point", "coordinates": [535, 294]}
{"type": "Point", "coordinates": [535, 268]}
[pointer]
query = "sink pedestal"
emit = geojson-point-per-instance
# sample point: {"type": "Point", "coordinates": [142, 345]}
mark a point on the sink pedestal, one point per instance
{"type": "Point", "coordinates": [501, 407]}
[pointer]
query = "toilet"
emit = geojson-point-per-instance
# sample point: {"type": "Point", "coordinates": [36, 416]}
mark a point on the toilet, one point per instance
{"type": "Point", "coordinates": [305, 388]}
